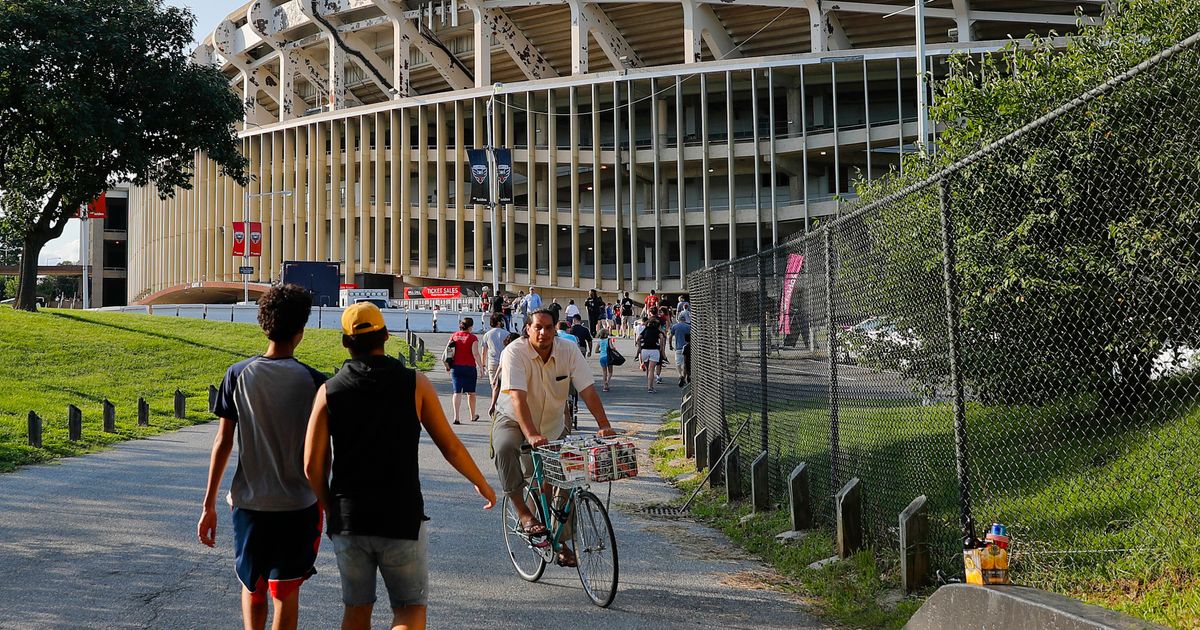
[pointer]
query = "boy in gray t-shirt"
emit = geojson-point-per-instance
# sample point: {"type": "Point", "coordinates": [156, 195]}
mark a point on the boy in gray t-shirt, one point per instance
{"type": "Point", "coordinates": [264, 403]}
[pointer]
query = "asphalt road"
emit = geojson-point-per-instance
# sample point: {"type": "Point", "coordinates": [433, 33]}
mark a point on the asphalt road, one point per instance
{"type": "Point", "coordinates": [108, 541]}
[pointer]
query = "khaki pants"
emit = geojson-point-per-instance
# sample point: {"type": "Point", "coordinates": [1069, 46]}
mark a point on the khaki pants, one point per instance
{"type": "Point", "coordinates": [513, 466]}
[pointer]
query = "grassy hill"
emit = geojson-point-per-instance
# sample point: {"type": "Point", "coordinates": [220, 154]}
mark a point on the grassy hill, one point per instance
{"type": "Point", "coordinates": [55, 358]}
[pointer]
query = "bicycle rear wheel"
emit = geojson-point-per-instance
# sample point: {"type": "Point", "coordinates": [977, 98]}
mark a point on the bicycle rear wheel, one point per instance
{"type": "Point", "coordinates": [525, 559]}
{"type": "Point", "coordinates": [595, 549]}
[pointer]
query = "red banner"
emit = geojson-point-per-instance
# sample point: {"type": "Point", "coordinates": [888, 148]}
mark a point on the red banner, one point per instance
{"type": "Point", "coordinates": [256, 238]}
{"type": "Point", "coordinates": [239, 238]}
{"type": "Point", "coordinates": [96, 209]}
{"type": "Point", "coordinates": [441, 293]}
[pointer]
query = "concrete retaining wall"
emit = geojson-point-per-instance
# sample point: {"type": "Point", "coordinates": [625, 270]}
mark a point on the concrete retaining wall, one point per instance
{"type": "Point", "coordinates": [398, 320]}
{"type": "Point", "coordinates": [969, 607]}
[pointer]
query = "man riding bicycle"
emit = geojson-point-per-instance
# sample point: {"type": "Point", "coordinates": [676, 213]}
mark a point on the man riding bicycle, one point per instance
{"type": "Point", "coordinates": [537, 373]}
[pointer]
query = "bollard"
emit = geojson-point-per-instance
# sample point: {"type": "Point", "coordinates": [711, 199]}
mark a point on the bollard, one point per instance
{"type": "Point", "coordinates": [760, 484]}
{"type": "Point", "coordinates": [914, 546]}
{"type": "Point", "coordinates": [180, 405]}
{"type": "Point", "coordinates": [35, 430]}
{"type": "Point", "coordinates": [733, 480]}
{"type": "Point", "coordinates": [110, 417]}
{"type": "Point", "coordinates": [212, 399]}
{"type": "Point", "coordinates": [717, 467]}
{"type": "Point", "coordinates": [143, 413]}
{"type": "Point", "coordinates": [798, 497]}
{"type": "Point", "coordinates": [420, 347]}
{"type": "Point", "coordinates": [701, 448]}
{"type": "Point", "coordinates": [74, 423]}
{"type": "Point", "coordinates": [848, 504]}
{"type": "Point", "coordinates": [412, 355]}
{"type": "Point", "coordinates": [687, 429]}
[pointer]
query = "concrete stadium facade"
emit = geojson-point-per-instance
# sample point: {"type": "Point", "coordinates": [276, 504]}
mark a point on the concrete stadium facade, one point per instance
{"type": "Point", "coordinates": [650, 138]}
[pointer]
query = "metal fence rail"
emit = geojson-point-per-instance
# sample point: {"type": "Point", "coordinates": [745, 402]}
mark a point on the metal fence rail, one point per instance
{"type": "Point", "coordinates": [1013, 337]}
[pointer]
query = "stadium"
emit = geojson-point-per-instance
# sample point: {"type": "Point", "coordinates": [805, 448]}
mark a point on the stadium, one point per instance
{"type": "Point", "coordinates": [649, 139]}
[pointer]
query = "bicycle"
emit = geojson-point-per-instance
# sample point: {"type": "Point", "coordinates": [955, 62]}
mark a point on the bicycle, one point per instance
{"type": "Point", "coordinates": [571, 465]}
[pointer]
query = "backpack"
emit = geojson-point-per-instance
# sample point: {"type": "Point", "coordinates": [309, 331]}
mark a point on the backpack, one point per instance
{"type": "Point", "coordinates": [615, 358]}
{"type": "Point", "coordinates": [448, 354]}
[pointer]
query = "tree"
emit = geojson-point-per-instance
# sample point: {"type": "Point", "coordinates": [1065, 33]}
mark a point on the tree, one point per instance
{"type": "Point", "coordinates": [1077, 248]}
{"type": "Point", "coordinates": [93, 92]}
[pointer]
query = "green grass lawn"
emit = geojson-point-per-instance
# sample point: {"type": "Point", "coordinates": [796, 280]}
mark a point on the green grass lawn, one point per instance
{"type": "Point", "coordinates": [55, 358]}
{"type": "Point", "coordinates": [1102, 506]}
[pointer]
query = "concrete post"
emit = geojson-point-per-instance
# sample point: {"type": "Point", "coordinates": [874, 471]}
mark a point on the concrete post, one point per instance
{"type": "Point", "coordinates": [733, 479]}
{"type": "Point", "coordinates": [701, 448]}
{"type": "Point", "coordinates": [143, 413]}
{"type": "Point", "coordinates": [914, 546]}
{"type": "Point", "coordinates": [180, 405]}
{"type": "Point", "coordinates": [212, 399]}
{"type": "Point", "coordinates": [688, 430]}
{"type": "Point", "coordinates": [760, 483]}
{"type": "Point", "coordinates": [715, 447]}
{"type": "Point", "coordinates": [848, 504]}
{"type": "Point", "coordinates": [799, 498]}
{"type": "Point", "coordinates": [35, 430]}
{"type": "Point", "coordinates": [420, 347]}
{"type": "Point", "coordinates": [74, 423]}
{"type": "Point", "coordinates": [110, 417]}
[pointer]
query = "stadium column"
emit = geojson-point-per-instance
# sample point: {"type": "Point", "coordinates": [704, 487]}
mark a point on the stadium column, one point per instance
{"type": "Point", "coordinates": [232, 194]}
{"type": "Point", "coordinates": [461, 202]}
{"type": "Point", "coordinates": [396, 201]}
{"type": "Point", "coordinates": [423, 190]}
{"type": "Point", "coordinates": [552, 185]}
{"type": "Point", "coordinates": [404, 151]}
{"type": "Point", "coordinates": [288, 227]}
{"type": "Point", "coordinates": [681, 192]}
{"type": "Point", "coordinates": [379, 251]}
{"type": "Point", "coordinates": [280, 146]}
{"type": "Point", "coordinates": [321, 191]}
{"type": "Point", "coordinates": [573, 105]}
{"type": "Point", "coordinates": [531, 187]}
{"type": "Point", "coordinates": [758, 206]}
{"type": "Point", "coordinates": [305, 201]}
{"type": "Point", "coordinates": [619, 242]}
{"type": "Point", "coordinates": [658, 122]}
{"type": "Point", "coordinates": [442, 189]}
{"type": "Point", "coordinates": [730, 178]}
{"type": "Point", "coordinates": [478, 119]}
{"type": "Point", "coordinates": [366, 216]}
{"type": "Point", "coordinates": [259, 162]}
{"type": "Point", "coordinates": [705, 171]}
{"type": "Point", "coordinates": [509, 220]}
{"type": "Point", "coordinates": [633, 209]}
{"type": "Point", "coordinates": [350, 207]}
{"type": "Point", "coordinates": [597, 165]}
{"type": "Point", "coordinates": [299, 198]}
{"type": "Point", "coordinates": [337, 131]}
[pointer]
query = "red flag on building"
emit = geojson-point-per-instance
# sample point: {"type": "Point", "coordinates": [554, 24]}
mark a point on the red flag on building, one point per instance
{"type": "Point", "coordinates": [239, 238]}
{"type": "Point", "coordinates": [255, 238]}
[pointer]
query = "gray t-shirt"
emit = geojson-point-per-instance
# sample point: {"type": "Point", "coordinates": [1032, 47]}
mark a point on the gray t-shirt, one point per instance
{"type": "Point", "coordinates": [493, 342]}
{"type": "Point", "coordinates": [270, 400]}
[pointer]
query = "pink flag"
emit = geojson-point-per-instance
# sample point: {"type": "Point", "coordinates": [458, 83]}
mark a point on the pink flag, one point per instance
{"type": "Point", "coordinates": [795, 262]}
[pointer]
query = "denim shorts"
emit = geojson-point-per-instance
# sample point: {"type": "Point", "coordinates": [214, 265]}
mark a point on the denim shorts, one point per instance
{"type": "Point", "coordinates": [403, 563]}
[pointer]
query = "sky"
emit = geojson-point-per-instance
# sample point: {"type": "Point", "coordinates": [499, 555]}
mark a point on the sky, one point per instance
{"type": "Point", "coordinates": [208, 14]}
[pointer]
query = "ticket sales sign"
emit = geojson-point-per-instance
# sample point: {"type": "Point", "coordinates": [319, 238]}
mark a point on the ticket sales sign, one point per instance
{"type": "Point", "coordinates": [433, 293]}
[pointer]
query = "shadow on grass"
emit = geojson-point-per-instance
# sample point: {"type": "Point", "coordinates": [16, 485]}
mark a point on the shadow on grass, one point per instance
{"type": "Point", "coordinates": [163, 336]}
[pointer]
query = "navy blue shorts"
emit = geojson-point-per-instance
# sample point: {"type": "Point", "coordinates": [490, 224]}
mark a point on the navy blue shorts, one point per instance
{"type": "Point", "coordinates": [463, 378]}
{"type": "Point", "coordinates": [276, 548]}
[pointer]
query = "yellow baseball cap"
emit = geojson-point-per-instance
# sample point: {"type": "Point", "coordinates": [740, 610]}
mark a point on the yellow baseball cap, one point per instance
{"type": "Point", "coordinates": [362, 317]}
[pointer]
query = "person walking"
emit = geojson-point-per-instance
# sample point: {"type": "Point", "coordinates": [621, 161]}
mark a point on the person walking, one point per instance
{"type": "Point", "coordinates": [650, 306]}
{"type": "Point", "coordinates": [537, 373]}
{"type": "Point", "coordinates": [572, 310]}
{"type": "Point", "coordinates": [680, 334]}
{"type": "Point", "coordinates": [582, 333]}
{"type": "Point", "coordinates": [627, 305]}
{"type": "Point", "coordinates": [491, 346]}
{"type": "Point", "coordinates": [464, 369]}
{"type": "Point", "coordinates": [556, 309]}
{"type": "Point", "coordinates": [650, 345]}
{"type": "Point", "coordinates": [594, 305]}
{"type": "Point", "coordinates": [264, 404]}
{"type": "Point", "coordinates": [367, 421]}
{"type": "Point", "coordinates": [521, 308]}
{"type": "Point", "coordinates": [534, 299]}
{"type": "Point", "coordinates": [603, 340]}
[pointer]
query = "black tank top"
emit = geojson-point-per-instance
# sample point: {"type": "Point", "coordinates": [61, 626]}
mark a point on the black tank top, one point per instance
{"type": "Point", "coordinates": [376, 485]}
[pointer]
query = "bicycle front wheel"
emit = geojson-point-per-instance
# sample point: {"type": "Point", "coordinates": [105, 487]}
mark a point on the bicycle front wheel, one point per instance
{"type": "Point", "coordinates": [525, 559]}
{"type": "Point", "coordinates": [595, 549]}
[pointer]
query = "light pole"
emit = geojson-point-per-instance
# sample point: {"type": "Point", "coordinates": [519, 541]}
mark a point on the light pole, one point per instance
{"type": "Point", "coordinates": [922, 84]}
{"type": "Point", "coordinates": [494, 192]}
{"type": "Point", "coordinates": [246, 227]}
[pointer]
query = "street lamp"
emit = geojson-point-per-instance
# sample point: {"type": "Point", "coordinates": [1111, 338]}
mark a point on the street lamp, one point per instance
{"type": "Point", "coordinates": [246, 226]}
{"type": "Point", "coordinates": [494, 185]}
{"type": "Point", "coordinates": [922, 89]}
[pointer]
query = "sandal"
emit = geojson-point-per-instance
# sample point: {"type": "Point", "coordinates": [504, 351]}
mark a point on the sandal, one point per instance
{"type": "Point", "coordinates": [457, 422]}
{"type": "Point", "coordinates": [534, 529]}
{"type": "Point", "coordinates": [476, 418]}
{"type": "Point", "coordinates": [566, 558]}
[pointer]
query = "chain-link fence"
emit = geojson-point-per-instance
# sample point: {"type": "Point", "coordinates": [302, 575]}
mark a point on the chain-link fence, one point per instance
{"type": "Point", "coordinates": [1014, 338]}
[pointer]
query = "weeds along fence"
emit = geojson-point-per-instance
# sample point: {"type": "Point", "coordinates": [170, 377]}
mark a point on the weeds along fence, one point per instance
{"type": "Point", "coordinates": [1014, 338]}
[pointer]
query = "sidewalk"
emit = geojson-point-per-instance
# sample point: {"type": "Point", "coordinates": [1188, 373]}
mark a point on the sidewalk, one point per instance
{"type": "Point", "coordinates": [108, 540]}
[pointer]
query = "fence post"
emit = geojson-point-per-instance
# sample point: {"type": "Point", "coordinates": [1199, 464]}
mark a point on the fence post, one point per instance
{"type": "Point", "coordinates": [420, 347]}
{"type": "Point", "coordinates": [143, 413]}
{"type": "Point", "coordinates": [212, 398]}
{"type": "Point", "coordinates": [701, 449]}
{"type": "Point", "coordinates": [180, 405]}
{"type": "Point", "coordinates": [110, 417]}
{"type": "Point", "coordinates": [914, 546]}
{"type": "Point", "coordinates": [34, 424]}
{"type": "Point", "coordinates": [716, 445]}
{"type": "Point", "coordinates": [74, 423]}
{"type": "Point", "coordinates": [848, 504]}
{"type": "Point", "coordinates": [762, 347]}
{"type": "Point", "coordinates": [950, 275]}
{"type": "Point", "coordinates": [835, 454]}
{"type": "Point", "coordinates": [799, 499]}
{"type": "Point", "coordinates": [733, 478]}
{"type": "Point", "coordinates": [760, 486]}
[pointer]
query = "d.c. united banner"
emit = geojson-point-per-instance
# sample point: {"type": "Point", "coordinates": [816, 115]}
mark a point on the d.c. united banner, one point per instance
{"type": "Point", "coordinates": [479, 176]}
{"type": "Point", "coordinates": [240, 238]}
{"type": "Point", "coordinates": [504, 175]}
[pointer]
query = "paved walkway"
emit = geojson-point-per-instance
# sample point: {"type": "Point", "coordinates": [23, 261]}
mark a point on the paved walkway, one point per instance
{"type": "Point", "coordinates": [108, 541]}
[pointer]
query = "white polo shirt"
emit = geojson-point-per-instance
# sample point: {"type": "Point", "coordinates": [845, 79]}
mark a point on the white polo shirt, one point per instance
{"type": "Point", "coordinates": [546, 384]}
